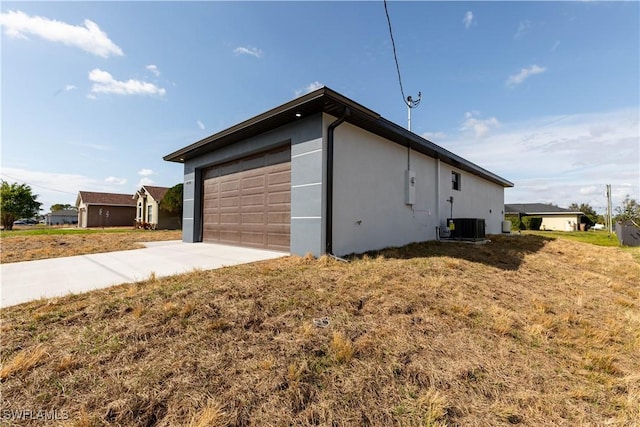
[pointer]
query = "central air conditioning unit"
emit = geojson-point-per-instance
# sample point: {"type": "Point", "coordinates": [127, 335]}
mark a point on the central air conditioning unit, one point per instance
{"type": "Point", "coordinates": [466, 228]}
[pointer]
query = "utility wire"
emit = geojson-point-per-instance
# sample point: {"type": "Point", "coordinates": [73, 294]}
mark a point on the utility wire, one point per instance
{"type": "Point", "coordinates": [410, 103]}
{"type": "Point", "coordinates": [36, 185]}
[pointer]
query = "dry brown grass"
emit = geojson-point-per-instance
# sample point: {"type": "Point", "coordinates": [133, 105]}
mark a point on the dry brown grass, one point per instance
{"type": "Point", "coordinates": [22, 361]}
{"type": "Point", "coordinates": [523, 331]}
{"type": "Point", "coordinates": [28, 248]}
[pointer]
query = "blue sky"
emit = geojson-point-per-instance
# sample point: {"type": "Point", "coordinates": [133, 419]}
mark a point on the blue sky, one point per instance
{"type": "Point", "coordinates": [545, 94]}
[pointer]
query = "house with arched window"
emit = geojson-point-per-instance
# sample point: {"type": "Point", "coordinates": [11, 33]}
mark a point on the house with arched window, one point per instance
{"type": "Point", "coordinates": [149, 211]}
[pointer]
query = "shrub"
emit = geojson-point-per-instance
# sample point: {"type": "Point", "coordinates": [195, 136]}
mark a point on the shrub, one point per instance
{"type": "Point", "coordinates": [531, 223]}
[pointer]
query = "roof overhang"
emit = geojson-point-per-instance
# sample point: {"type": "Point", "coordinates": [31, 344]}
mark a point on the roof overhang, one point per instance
{"type": "Point", "coordinates": [325, 100]}
{"type": "Point", "coordinates": [542, 213]}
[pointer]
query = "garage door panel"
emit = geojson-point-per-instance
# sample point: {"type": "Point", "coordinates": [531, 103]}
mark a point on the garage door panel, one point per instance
{"type": "Point", "coordinates": [212, 187]}
{"type": "Point", "coordinates": [230, 185]}
{"type": "Point", "coordinates": [253, 183]}
{"type": "Point", "coordinates": [252, 237]}
{"type": "Point", "coordinates": [278, 186]}
{"type": "Point", "coordinates": [252, 200]}
{"type": "Point", "coordinates": [280, 218]}
{"type": "Point", "coordinates": [249, 207]}
{"type": "Point", "coordinates": [229, 219]}
{"type": "Point", "coordinates": [229, 236]}
{"type": "Point", "coordinates": [280, 208]}
{"type": "Point", "coordinates": [278, 241]}
{"type": "Point", "coordinates": [279, 198]}
{"type": "Point", "coordinates": [213, 235]}
{"type": "Point", "coordinates": [228, 202]}
{"type": "Point", "coordinates": [252, 218]}
{"type": "Point", "coordinates": [280, 177]}
{"type": "Point", "coordinates": [211, 204]}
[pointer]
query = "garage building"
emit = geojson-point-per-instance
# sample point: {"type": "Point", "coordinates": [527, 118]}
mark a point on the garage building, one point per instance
{"type": "Point", "coordinates": [324, 174]}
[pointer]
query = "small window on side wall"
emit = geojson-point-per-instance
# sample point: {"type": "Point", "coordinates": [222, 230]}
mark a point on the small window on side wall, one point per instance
{"type": "Point", "coordinates": [456, 182]}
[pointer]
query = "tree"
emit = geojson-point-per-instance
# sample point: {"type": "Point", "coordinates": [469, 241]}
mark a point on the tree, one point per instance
{"type": "Point", "coordinates": [16, 201]}
{"type": "Point", "coordinates": [587, 210]}
{"type": "Point", "coordinates": [172, 201]}
{"type": "Point", "coordinates": [629, 211]}
{"type": "Point", "coordinates": [62, 207]}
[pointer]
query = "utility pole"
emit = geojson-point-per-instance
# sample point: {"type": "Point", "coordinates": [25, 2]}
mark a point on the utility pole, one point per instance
{"type": "Point", "coordinates": [609, 213]}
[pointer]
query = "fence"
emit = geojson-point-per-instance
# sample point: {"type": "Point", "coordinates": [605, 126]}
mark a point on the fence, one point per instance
{"type": "Point", "coordinates": [628, 235]}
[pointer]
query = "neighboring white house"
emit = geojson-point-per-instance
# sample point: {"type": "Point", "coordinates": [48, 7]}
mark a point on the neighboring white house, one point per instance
{"type": "Point", "coordinates": [324, 174]}
{"type": "Point", "coordinates": [61, 217]}
{"type": "Point", "coordinates": [553, 218]}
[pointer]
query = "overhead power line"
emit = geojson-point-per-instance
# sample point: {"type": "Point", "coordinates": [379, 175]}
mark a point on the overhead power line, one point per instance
{"type": "Point", "coordinates": [36, 185]}
{"type": "Point", "coordinates": [408, 100]}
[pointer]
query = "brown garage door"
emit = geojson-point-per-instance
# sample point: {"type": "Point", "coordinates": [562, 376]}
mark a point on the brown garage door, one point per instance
{"type": "Point", "coordinates": [248, 202]}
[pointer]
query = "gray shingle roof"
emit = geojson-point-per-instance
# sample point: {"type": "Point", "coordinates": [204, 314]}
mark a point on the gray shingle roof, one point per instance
{"type": "Point", "coordinates": [156, 192]}
{"type": "Point", "coordinates": [107, 199]}
{"type": "Point", "coordinates": [535, 209]}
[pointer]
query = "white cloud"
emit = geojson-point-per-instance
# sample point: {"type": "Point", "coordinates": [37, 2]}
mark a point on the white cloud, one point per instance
{"type": "Point", "coordinates": [433, 136]}
{"type": "Point", "coordinates": [115, 180]}
{"type": "Point", "coordinates": [480, 128]}
{"type": "Point", "coordinates": [153, 69]}
{"type": "Point", "coordinates": [591, 190]}
{"type": "Point", "coordinates": [67, 88]}
{"type": "Point", "coordinates": [103, 82]}
{"type": "Point", "coordinates": [523, 28]}
{"type": "Point", "coordinates": [97, 147]}
{"type": "Point", "coordinates": [524, 74]}
{"type": "Point", "coordinates": [145, 172]}
{"type": "Point", "coordinates": [145, 181]}
{"type": "Point", "coordinates": [555, 46]}
{"type": "Point", "coordinates": [309, 88]}
{"type": "Point", "coordinates": [560, 159]}
{"type": "Point", "coordinates": [468, 19]}
{"type": "Point", "coordinates": [200, 125]}
{"type": "Point", "coordinates": [89, 37]}
{"type": "Point", "coordinates": [53, 187]}
{"type": "Point", "coordinates": [253, 51]}
{"type": "Point", "coordinates": [598, 130]}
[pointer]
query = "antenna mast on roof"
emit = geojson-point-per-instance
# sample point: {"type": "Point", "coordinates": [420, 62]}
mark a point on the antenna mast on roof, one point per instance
{"type": "Point", "coordinates": [410, 105]}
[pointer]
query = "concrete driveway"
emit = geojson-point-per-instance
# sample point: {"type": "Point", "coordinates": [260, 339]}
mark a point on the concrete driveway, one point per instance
{"type": "Point", "coordinates": [26, 281]}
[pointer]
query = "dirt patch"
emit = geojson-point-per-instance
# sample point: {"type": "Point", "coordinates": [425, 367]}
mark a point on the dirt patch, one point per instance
{"type": "Point", "coordinates": [32, 247]}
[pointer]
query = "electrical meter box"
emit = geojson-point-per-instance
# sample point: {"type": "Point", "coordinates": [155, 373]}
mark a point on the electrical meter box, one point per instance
{"type": "Point", "coordinates": [410, 187]}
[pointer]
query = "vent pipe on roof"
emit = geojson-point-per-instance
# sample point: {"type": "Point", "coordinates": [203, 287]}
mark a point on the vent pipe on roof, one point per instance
{"type": "Point", "coordinates": [329, 204]}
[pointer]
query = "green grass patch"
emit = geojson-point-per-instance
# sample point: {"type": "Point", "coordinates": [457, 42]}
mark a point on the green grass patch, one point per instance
{"type": "Point", "coordinates": [596, 237]}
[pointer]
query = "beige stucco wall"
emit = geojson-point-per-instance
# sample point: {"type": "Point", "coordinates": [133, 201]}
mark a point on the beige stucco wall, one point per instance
{"type": "Point", "coordinates": [161, 218]}
{"type": "Point", "coordinates": [560, 222]}
{"type": "Point", "coordinates": [149, 205]}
